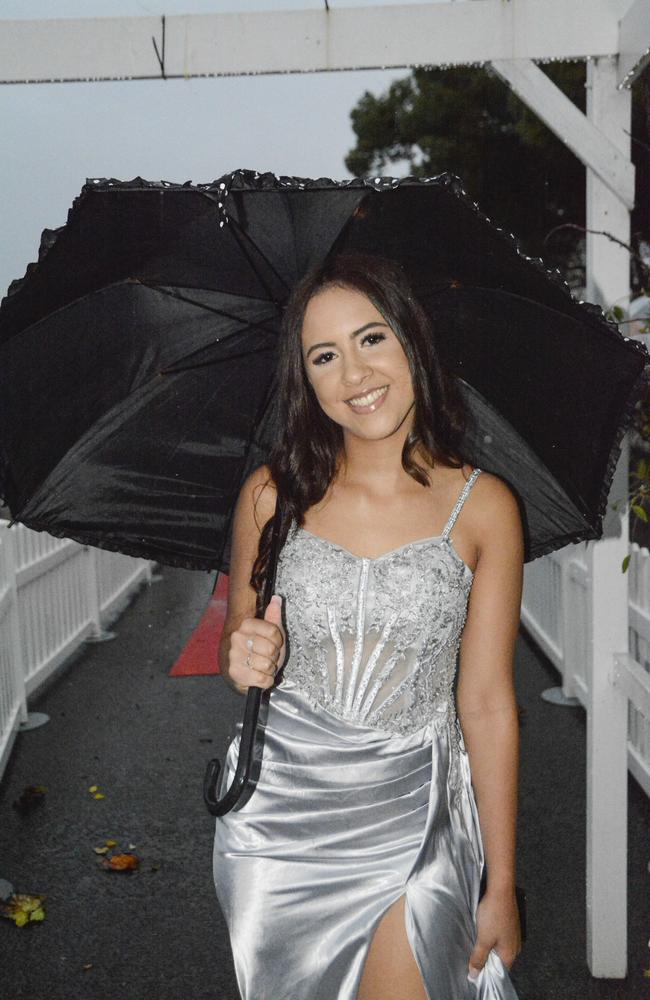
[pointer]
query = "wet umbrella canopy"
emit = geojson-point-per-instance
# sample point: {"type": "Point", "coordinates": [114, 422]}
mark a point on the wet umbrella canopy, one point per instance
{"type": "Point", "coordinates": [137, 363]}
{"type": "Point", "coordinates": [137, 357]}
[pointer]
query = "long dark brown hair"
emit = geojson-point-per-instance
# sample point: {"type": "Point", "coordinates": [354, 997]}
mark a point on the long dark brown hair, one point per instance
{"type": "Point", "coordinates": [307, 452]}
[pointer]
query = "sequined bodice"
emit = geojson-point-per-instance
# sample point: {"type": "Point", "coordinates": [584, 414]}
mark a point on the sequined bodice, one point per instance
{"type": "Point", "coordinates": [375, 641]}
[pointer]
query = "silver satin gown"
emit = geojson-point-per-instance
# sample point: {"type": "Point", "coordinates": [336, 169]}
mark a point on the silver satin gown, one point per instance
{"type": "Point", "coordinates": [364, 791]}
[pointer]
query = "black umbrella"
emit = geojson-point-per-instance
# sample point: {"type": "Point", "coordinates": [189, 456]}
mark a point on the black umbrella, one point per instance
{"type": "Point", "coordinates": [137, 356]}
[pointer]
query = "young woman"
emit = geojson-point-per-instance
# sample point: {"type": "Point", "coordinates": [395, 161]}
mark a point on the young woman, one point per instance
{"type": "Point", "coordinates": [352, 871]}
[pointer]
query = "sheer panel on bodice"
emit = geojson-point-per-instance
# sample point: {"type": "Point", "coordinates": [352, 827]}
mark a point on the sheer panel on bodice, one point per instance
{"type": "Point", "coordinates": [375, 641]}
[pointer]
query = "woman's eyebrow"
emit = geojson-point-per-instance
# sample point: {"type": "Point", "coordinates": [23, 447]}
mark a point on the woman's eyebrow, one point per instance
{"type": "Point", "coordinates": [355, 333]}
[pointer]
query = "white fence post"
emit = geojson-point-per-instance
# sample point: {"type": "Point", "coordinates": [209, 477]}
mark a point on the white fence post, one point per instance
{"type": "Point", "coordinates": [13, 700]}
{"type": "Point", "coordinates": [14, 626]}
{"type": "Point", "coordinates": [606, 886]}
{"type": "Point", "coordinates": [91, 560]}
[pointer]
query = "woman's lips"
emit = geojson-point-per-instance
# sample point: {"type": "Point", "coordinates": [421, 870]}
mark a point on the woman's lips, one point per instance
{"type": "Point", "coordinates": [369, 407]}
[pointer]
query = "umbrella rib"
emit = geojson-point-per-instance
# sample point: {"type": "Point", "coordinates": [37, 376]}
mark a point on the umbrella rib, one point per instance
{"type": "Point", "coordinates": [240, 236]}
{"type": "Point", "coordinates": [214, 361]}
{"type": "Point", "coordinates": [166, 290]}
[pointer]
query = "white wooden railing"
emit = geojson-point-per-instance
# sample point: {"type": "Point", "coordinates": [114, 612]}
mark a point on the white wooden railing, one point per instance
{"type": "Point", "coordinates": [54, 595]}
{"type": "Point", "coordinates": [555, 613]}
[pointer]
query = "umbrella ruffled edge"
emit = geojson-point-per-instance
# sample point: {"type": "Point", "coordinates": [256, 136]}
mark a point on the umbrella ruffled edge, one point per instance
{"type": "Point", "coordinates": [252, 180]}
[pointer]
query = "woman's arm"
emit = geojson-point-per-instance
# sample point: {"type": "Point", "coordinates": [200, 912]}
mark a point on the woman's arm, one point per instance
{"type": "Point", "coordinates": [486, 702]}
{"type": "Point", "coordinates": [255, 505]}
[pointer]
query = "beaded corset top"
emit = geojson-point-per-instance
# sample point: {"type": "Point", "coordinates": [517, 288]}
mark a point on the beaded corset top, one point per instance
{"type": "Point", "coordinates": [375, 641]}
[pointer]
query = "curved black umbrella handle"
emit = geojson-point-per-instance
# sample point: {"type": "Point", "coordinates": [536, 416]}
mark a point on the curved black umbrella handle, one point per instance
{"type": "Point", "coordinates": [218, 807]}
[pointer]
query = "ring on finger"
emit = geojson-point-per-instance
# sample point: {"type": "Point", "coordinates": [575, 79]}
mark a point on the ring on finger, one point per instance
{"type": "Point", "coordinates": [248, 661]}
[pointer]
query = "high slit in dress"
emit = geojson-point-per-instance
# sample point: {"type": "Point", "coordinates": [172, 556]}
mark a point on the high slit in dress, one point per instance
{"type": "Point", "coordinates": [363, 792]}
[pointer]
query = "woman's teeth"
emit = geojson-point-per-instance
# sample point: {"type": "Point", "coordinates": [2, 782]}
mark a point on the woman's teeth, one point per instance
{"type": "Point", "coordinates": [362, 401]}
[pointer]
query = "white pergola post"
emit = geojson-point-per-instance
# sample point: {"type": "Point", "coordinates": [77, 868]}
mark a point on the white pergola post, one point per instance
{"type": "Point", "coordinates": [608, 283]}
{"type": "Point", "coordinates": [601, 141]}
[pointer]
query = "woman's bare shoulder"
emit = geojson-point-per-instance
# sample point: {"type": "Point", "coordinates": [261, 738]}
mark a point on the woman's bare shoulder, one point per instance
{"type": "Point", "coordinates": [496, 507]}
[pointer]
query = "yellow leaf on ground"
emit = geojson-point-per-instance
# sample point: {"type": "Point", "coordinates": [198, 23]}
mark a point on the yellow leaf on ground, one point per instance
{"type": "Point", "coordinates": [93, 788]}
{"type": "Point", "coordinates": [23, 909]}
{"type": "Point", "coordinates": [100, 850]}
{"type": "Point", "coordinates": [99, 795]}
{"type": "Point", "coordinates": [121, 862]}
{"type": "Point", "coordinates": [111, 843]}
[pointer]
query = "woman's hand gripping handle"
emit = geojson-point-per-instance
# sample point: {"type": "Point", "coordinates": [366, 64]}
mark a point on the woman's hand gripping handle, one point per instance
{"type": "Point", "coordinates": [257, 649]}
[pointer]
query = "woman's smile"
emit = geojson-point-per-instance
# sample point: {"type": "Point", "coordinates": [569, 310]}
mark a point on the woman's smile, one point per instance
{"type": "Point", "coordinates": [369, 402]}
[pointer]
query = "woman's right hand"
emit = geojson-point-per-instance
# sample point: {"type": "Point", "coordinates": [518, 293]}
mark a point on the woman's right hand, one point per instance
{"type": "Point", "coordinates": [257, 649]}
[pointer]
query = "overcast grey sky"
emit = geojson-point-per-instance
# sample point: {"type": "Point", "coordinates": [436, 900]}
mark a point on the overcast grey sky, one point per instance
{"type": "Point", "coordinates": [54, 136]}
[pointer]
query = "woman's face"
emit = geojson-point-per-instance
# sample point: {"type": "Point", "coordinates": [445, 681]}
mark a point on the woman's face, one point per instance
{"type": "Point", "coordinates": [356, 364]}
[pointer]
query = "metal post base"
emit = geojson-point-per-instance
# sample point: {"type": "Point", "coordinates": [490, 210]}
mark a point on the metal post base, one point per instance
{"type": "Point", "coordinates": [556, 696]}
{"type": "Point", "coordinates": [6, 890]}
{"type": "Point", "coordinates": [103, 636]}
{"type": "Point", "coordinates": [33, 721]}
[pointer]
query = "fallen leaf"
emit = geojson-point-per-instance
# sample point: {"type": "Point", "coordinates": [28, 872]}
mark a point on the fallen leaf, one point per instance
{"type": "Point", "coordinates": [23, 909]}
{"type": "Point", "coordinates": [101, 850]}
{"type": "Point", "coordinates": [121, 862]}
{"type": "Point", "coordinates": [30, 797]}
{"type": "Point", "coordinates": [132, 847]}
{"type": "Point", "coordinates": [87, 966]}
{"type": "Point", "coordinates": [93, 788]}
{"type": "Point", "coordinates": [111, 843]}
{"type": "Point", "coordinates": [99, 795]}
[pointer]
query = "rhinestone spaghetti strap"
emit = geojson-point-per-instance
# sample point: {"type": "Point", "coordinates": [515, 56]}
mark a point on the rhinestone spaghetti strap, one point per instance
{"type": "Point", "coordinates": [459, 503]}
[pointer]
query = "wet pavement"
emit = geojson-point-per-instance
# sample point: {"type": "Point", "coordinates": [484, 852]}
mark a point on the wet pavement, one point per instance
{"type": "Point", "coordinates": [118, 721]}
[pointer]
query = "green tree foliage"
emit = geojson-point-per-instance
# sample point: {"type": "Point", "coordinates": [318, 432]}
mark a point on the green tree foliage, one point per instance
{"type": "Point", "coordinates": [467, 121]}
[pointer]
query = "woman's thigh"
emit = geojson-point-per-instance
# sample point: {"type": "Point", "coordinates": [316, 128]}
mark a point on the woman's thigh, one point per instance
{"type": "Point", "coordinates": [390, 971]}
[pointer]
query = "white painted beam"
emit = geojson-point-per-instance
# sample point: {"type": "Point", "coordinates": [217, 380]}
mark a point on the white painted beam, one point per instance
{"type": "Point", "coordinates": [634, 42]}
{"type": "Point", "coordinates": [432, 34]}
{"type": "Point", "coordinates": [590, 144]}
{"type": "Point", "coordinates": [70, 50]}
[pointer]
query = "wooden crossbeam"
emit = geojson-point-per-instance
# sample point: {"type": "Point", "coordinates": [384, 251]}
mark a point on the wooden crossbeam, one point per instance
{"type": "Point", "coordinates": [303, 41]}
{"type": "Point", "coordinates": [561, 115]}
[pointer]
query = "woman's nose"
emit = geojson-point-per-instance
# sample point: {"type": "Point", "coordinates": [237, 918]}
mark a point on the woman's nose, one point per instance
{"type": "Point", "coordinates": [355, 370]}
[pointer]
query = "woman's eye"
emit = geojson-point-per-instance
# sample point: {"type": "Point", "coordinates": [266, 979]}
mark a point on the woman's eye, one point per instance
{"type": "Point", "coordinates": [378, 336]}
{"type": "Point", "coordinates": [319, 360]}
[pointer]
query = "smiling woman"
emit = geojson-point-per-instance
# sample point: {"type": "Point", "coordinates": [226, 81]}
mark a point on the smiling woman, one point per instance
{"type": "Point", "coordinates": [353, 871]}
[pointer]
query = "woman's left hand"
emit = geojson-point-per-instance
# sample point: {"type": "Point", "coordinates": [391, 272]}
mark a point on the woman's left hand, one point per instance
{"type": "Point", "coordinates": [497, 926]}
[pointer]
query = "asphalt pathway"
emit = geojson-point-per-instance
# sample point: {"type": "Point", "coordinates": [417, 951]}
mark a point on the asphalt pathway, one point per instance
{"type": "Point", "coordinates": [118, 721]}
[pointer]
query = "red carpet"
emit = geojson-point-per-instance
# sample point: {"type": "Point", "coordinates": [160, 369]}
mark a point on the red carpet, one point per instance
{"type": "Point", "coordinates": [200, 653]}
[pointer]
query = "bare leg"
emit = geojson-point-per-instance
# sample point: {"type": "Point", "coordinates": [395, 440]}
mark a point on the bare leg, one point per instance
{"type": "Point", "coordinates": [390, 971]}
